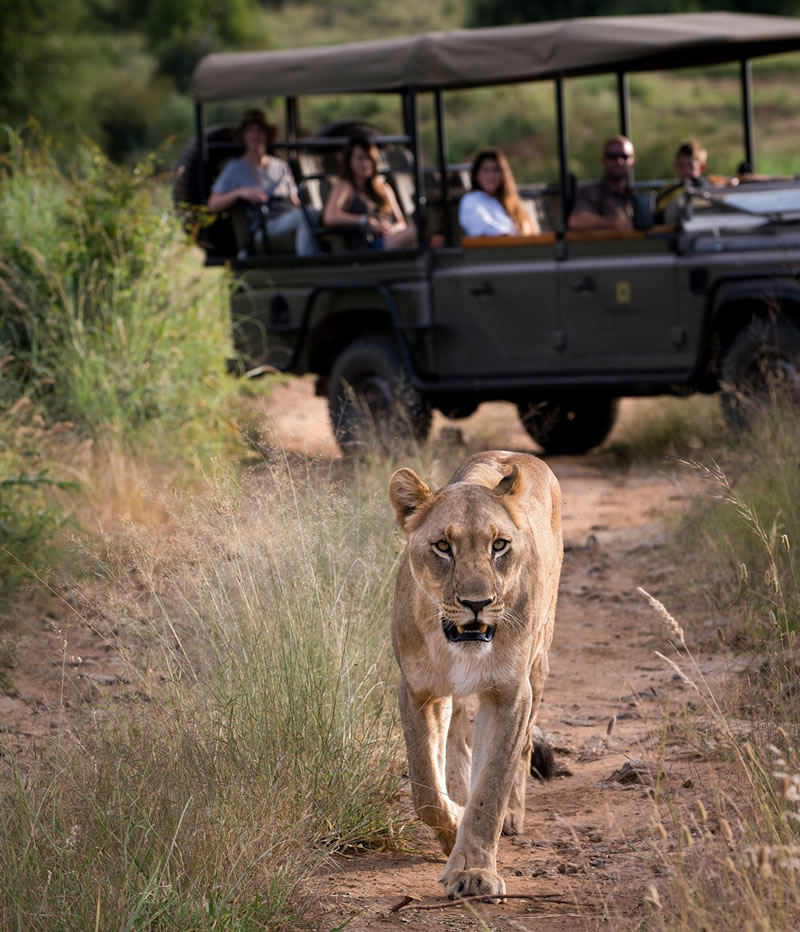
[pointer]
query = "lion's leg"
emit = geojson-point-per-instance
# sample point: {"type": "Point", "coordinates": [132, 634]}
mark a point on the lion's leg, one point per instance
{"type": "Point", "coordinates": [425, 725]}
{"type": "Point", "coordinates": [514, 821]}
{"type": "Point", "coordinates": [459, 750]}
{"type": "Point", "coordinates": [500, 730]}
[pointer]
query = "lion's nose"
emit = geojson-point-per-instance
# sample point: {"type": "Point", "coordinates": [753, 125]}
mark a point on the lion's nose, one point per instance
{"type": "Point", "coordinates": [476, 606]}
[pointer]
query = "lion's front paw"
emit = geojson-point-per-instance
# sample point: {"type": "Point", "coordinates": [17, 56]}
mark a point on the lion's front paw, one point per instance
{"type": "Point", "coordinates": [475, 882]}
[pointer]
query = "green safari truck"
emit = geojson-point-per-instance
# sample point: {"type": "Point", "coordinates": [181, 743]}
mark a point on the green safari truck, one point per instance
{"type": "Point", "coordinates": [561, 323]}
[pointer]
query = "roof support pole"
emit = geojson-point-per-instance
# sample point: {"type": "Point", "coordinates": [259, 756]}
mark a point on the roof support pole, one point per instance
{"type": "Point", "coordinates": [747, 113]}
{"type": "Point", "coordinates": [441, 143]}
{"type": "Point", "coordinates": [624, 98]}
{"type": "Point", "coordinates": [411, 120]}
{"type": "Point", "coordinates": [202, 143]}
{"type": "Point", "coordinates": [292, 129]}
{"type": "Point", "coordinates": [563, 152]}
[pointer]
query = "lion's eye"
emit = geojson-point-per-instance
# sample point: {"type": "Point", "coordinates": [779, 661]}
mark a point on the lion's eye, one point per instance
{"type": "Point", "coordinates": [442, 546]}
{"type": "Point", "coordinates": [499, 545]}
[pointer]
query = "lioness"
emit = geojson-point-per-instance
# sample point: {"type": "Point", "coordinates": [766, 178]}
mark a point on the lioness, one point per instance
{"type": "Point", "coordinates": [471, 627]}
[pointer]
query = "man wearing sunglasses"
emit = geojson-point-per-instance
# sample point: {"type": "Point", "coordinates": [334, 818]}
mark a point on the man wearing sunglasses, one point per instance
{"type": "Point", "coordinates": [608, 204]}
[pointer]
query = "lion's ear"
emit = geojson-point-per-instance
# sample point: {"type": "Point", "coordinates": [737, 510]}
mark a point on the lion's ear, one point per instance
{"type": "Point", "coordinates": [508, 485]}
{"type": "Point", "coordinates": [408, 494]}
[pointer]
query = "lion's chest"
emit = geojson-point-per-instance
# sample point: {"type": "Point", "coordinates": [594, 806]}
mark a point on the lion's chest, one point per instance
{"type": "Point", "coordinates": [444, 669]}
{"type": "Point", "coordinates": [470, 670]}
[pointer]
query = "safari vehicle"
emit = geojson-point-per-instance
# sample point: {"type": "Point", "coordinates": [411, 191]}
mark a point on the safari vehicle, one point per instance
{"type": "Point", "coordinates": [562, 324]}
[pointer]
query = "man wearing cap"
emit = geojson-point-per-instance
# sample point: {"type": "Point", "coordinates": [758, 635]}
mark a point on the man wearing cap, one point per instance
{"type": "Point", "coordinates": [266, 183]}
{"type": "Point", "coordinates": [608, 204]}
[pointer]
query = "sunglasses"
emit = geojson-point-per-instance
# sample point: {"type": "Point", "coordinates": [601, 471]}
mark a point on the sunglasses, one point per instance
{"type": "Point", "coordinates": [616, 155]}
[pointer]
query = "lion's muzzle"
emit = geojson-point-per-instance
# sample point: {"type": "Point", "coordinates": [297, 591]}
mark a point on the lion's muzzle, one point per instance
{"type": "Point", "coordinates": [474, 631]}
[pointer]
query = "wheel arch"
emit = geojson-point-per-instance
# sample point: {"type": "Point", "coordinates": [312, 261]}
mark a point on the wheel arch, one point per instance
{"type": "Point", "coordinates": [737, 304]}
{"type": "Point", "coordinates": [337, 329]}
{"type": "Point", "coordinates": [336, 314]}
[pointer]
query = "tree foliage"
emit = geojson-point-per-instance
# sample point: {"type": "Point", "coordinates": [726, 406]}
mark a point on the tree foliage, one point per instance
{"type": "Point", "coordinates": [41, 63]}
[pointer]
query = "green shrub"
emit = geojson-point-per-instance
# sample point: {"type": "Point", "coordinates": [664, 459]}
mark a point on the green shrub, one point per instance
{"type": "Point", "coordinates": [749, 531]}
{"type": "Point", "coordinates": [27, 524]}
{"type": "Point", "coordinates": [103, 307]}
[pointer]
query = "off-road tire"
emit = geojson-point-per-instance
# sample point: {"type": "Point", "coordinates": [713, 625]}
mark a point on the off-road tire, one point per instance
{"type": "Point", "coordinates": [371, 401]}
{"type": "Point", "coordinates": [569, 425]}
{"type": "Point", "coordinates": [761, 365]}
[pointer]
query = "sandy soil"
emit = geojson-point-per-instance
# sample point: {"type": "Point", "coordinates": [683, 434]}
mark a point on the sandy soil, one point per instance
{"type": "Point", "coordinates": [582, 861]}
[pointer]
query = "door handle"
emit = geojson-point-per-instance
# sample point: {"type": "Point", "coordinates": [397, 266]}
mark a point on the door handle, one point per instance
{"type": "Point", "coordinates": [585, 286]}
{"type": "Point", "coordinates": [484, 290]}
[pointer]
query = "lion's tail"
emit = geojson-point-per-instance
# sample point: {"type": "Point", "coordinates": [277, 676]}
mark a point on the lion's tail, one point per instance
{"type": "Point", "coordinates": [543, 763]}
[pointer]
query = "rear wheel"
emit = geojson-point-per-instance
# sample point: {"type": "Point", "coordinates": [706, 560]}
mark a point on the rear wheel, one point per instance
{"type": "Point", "coordinates": [761, 367]}
{"type": "Point", "coordinates": [569, 425]}
{"type": "Point", "coordinates": [372, 404]}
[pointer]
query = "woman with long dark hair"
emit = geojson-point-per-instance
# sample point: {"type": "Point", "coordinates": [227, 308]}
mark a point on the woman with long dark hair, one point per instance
{"type": "Point", "coordinates": [493, 206]}
{"type": "Point", "coordinates": [360, 196]}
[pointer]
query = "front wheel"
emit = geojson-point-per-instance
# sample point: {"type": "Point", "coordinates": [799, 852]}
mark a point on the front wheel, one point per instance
{"type": "Point", "coordinates": [761, 366]}
{"type": "Point", "coordinates": [372, 404]}
{"type": "Point", "coordinates": [569, 425]}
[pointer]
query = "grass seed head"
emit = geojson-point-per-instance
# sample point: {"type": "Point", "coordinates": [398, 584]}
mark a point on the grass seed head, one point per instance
{"type": "Point", "coordinates": [672, 625]}
{"type": "Point", "coordinates": [764, 865]}
{"type": "Point", "coordinates": [727, 831]}
{"type": "Point", "coordinates": [652, 896]}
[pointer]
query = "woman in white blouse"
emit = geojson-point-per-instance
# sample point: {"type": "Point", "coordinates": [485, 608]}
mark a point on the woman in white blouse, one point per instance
{"type": "Point", "coordinates": [493, 206]}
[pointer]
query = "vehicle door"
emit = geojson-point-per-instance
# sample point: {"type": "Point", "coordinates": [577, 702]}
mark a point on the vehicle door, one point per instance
{"type": "Point", "coordinates": [496, 307]}
{"type": "Point", "coordinates": [619, 301]}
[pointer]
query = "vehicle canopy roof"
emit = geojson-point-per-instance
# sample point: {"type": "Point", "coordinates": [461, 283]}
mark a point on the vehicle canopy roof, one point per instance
{"type": "Point", "coordinates": [473, 57]}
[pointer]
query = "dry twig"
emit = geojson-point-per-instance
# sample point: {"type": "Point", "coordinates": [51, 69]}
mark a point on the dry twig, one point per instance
{"type": "Point", "coordinates": [406, 903]}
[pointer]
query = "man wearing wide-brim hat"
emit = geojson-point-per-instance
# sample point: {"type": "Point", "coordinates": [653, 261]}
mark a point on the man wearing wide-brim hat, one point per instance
{"type": "Point", "coordinates": [266, 183]}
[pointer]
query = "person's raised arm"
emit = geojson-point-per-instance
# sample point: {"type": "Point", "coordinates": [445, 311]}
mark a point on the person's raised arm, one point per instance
{"type": "Point", "coordinates": [398, 218]}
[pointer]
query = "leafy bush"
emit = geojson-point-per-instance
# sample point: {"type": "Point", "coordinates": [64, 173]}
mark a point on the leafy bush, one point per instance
{"type": "Point", "coordinates": [102, 306]}
{"type": "Point", "coordinates": [749, 531]}
{"type": "Point", "coordinates": [27, 524]}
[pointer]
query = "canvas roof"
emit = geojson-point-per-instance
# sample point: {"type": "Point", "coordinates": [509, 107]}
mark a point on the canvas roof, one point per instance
{"type": "Point", "coordinates": [473, 57]}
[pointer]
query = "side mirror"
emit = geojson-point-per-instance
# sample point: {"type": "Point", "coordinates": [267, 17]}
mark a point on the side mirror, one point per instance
{"type": "Point", "coordinates": [644, 208]}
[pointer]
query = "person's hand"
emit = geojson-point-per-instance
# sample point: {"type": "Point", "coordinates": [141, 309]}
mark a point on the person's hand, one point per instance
{"type": "Point", "coordinates": [376, 226]}
{"type": "Point", "coordinates": [254, 194]}
{"type": "Point", "coordinates": [622, 224]}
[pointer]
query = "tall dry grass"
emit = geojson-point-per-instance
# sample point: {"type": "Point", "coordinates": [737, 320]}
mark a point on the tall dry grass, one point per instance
{"type": "Point", "coordinates": [735, 863]}
{"type": "Point", "coordinates": [259, 735]}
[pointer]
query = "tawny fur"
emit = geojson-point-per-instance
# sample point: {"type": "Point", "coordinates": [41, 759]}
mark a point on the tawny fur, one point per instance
{"type": "Point", "coordinates": [493, 535]}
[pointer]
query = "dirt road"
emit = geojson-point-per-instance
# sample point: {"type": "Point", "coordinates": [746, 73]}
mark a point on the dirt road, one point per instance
{"type": "Point", "coordinates": [581, 860]}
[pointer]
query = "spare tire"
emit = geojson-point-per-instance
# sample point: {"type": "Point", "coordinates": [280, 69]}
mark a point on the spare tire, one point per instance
{"type": "Point", "coordinates": [188, 185]}
{"type": "Point", "coordinates": [191, 187]}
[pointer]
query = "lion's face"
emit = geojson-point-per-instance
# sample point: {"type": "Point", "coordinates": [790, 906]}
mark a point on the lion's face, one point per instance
{"type": "Point", "coordinates": [465, 552]}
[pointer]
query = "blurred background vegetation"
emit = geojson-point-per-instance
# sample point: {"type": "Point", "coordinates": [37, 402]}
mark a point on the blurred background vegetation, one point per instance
{"type": "Point", "coordinates": [117, 72]}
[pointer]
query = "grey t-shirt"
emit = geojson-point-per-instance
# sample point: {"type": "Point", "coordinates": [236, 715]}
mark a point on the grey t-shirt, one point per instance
{"type": "Point", "coordinates": [274, 178]}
